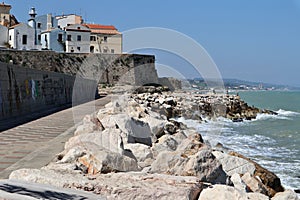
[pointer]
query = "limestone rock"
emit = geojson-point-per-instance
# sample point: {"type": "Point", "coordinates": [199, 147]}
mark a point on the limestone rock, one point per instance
{"type": "Point", "coordinates": [202, 165]}
{"type": "Point", "coordinates": [90, 124]}
{"type": "Point", "coordinates": [135, 129]}
{"type": "Point", "coordinates": [72, 154]}
{"type": "Point", "coordinates": [138, 185]}
{"type": "Point", "coordinates": [222, 192]}
{"type": "Point", "coordinates": [237, 182]}
{"type": "Point", "coordinates": [233, 164]}
{"type": "Point", "coordinates": [286, 195]}
{"type": "Point", "coordinates": [140, 151]}
{"type": "Point", "coordinates": [269, 179]}
{"type": "Point", "coordinates": [156, 126]}
{"type": "Point", "coordinates": [103, 161]}
{"type": "Point", "coordinates": [45, 176]}
{"type": "Point", "coordinates": [257, 196]}
{"type": "Point", "coordinates": [191, 145]}
{"type": "Point", "coordinates": [254, 185]}
{"type": "Point", "coordinates": [165, 143]}
{"type": "Point", "coordinates": [109, 139]}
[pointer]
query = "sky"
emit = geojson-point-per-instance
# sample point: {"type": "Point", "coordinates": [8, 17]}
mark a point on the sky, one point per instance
{"type": "Point", "coordinates": [257, 40]}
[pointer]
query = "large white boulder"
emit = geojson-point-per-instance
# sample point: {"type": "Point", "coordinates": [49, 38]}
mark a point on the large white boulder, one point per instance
{"type": "Point", "coordinates": [286, 195]}
{"type": "Point", "coordinates": [222, 192]}
{"type": "Point", "coordinates": [233, 164]}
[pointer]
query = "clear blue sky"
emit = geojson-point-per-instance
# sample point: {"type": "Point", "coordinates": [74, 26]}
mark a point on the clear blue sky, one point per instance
{"type": "Point", "coordinates": [257, 40]}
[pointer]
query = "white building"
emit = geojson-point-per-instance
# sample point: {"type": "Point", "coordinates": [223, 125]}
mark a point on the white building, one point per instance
{"type": "Point", "coordinates": [3, 36]}
{"type": "Point", "coordinates": [54, 39]}
{"type": "Point", "coordinates": [105, 39]}
{"type": "Point", "coordinates": [77, 39]}
{"type": "Point", "coordinates": [22, 37]}
{"type": "Point", "coordinates": [67, 20]}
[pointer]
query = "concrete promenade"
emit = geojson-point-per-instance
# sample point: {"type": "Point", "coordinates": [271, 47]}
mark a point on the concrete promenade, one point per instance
{"type": "Point", "coordinates": [34, 144]}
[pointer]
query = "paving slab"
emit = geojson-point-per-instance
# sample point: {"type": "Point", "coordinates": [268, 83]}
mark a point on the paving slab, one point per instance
{"type": "Point", "coordinates": [34, 144]}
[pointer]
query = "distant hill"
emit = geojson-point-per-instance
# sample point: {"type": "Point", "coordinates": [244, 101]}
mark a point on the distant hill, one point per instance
{"type": "Point", "coordinates": [242, 84]}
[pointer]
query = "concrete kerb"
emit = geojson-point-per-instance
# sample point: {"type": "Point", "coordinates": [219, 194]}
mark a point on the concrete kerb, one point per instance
{"type": "Point", "coordinates": [15, 190]}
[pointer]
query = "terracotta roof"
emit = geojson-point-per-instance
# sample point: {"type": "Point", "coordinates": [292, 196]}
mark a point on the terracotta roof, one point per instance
{"type": "Point", "coordinates": [99, 26]}
{"type": "Point", "coordinates": [16, 25]}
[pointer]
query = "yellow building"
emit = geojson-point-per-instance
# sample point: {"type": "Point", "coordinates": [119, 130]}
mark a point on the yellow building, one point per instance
{"type": "Point", "coordinates": [105, 39]}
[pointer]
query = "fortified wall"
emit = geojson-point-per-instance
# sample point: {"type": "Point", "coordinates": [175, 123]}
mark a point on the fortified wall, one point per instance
{"type": "Point", "coordinates": [37, 80]}
{"type": "Point", "coordinates": [130, 69]}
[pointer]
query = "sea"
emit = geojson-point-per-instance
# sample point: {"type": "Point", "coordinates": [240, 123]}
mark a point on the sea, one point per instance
{"type": "Point", "coordinates": [272, 141]}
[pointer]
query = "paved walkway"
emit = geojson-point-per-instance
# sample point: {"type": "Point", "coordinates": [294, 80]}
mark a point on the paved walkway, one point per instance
{"type": "Point", "coordinates": [34, 144]}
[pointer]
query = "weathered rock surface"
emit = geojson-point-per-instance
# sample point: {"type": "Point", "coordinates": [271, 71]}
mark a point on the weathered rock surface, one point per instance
{"type": "Point", "coordinates": [221, 192]}
{"type": "Point", "coordinates": [136, 148]}
{"type": "Point", "coordinates": [268, 179]}
{"type": "Point", "coordinates": [286, 195]}
{"type": "Point", "coordinates": [119, 185]}
{"type": "Point", "coordinates": [233, 164]}
{"type": "Point", "coordinates": [201, 164]}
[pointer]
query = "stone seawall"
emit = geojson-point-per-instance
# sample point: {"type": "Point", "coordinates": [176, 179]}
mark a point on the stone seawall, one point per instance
{"type": "Point", "coordinates": [24, 91]}
{"type": "Point", "coordinates": [130, 69]}
{"type": "Point", "coordinates": [37, 80]}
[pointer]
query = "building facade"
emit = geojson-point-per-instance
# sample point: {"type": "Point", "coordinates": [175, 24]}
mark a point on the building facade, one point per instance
{"type": "Point", "coordinates": [54, 39]}
{"type": "Point", "coordinates": [77, 39]}
{"type": "Point", "coordinates": [5, 14]}
{"type": "Point", "coordinates": [3, 37]}
{"type": "Point", "coordinates": [105, 39]}
{"type": "Point", "coordinates": [66, 20]}
{"type": "Point", "coordinates": [22, 37]}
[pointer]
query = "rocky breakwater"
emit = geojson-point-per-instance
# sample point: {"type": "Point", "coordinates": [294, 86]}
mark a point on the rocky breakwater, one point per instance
{"type": "Point", "coordinates": [191, 105]}
{"type": "Point", "coordinates": [134, 149]}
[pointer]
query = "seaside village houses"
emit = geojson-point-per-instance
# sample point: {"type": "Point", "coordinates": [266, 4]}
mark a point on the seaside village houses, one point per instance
{"type": "Point", "coordinates": [64, 33]}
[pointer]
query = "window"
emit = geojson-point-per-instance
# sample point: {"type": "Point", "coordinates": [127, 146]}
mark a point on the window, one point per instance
{"type": "Point", "coordinates": [78, 37]}
{"type": "Point", "coordinates": [78, 28]}
{"type": "Point", "coordinates": [78, 48]}
{"type": "Point", "coordinates": [92, 49]}
{"type": "Point", "coordinates": [93, 38]}
{"type": "Point", "coordinates": [39, 37]}
{"type": "Point", "coordinates": [10, 37]}
{"type": "Point", "coordinates": [24, 39]}
{"type": "Point", "coordinates": [60, 37]}
{"type": "Point", "coordinates": [39, 25]}
{"type": "Point", "coordinates": [69, 37]}
{"type": "Point", "coordinates": [112, 51]}
{"type": "Point", "coordinates": [105, 39]}
{"type": "Point", "coordinates": [105, 50]}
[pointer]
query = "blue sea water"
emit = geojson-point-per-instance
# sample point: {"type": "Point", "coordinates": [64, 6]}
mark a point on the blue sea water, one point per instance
{"type": "Point", "coordinates": [272, 141]}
